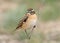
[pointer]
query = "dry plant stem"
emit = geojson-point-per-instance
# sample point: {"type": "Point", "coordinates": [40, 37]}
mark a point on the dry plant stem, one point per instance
{"type": "Point", "coordinates": [31, 33]}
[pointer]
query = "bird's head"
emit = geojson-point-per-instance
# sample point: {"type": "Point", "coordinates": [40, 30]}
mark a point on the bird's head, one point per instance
{"type": "Point", "coordinates": [30, 11]}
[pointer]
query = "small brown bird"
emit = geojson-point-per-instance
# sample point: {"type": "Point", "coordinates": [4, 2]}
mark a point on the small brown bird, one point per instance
{"type": "Point", "coordinates": [28, 21]}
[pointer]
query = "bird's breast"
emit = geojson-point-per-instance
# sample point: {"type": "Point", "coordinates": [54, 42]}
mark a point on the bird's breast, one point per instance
{"type": "Point", "coordinates": [31, 21]}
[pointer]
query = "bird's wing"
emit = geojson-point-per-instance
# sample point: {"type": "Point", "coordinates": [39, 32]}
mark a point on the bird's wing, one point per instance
{"type": "Point", "coordinates": [22, 21]}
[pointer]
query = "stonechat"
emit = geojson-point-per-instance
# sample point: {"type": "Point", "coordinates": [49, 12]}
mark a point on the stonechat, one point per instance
{"type": "Point", "coordinates": [28, 21]}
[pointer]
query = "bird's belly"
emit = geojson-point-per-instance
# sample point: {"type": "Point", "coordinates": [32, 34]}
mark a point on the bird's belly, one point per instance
{"type": "Point", "coordinates": [31, 23]}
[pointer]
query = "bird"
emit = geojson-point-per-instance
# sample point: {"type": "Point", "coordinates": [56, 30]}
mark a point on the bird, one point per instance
{"type": "Point", "coordinates": [28, 21]}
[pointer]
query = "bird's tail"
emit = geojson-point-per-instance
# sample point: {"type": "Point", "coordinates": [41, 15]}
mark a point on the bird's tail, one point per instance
{"type": "Point", "coordinates": [15, 30]}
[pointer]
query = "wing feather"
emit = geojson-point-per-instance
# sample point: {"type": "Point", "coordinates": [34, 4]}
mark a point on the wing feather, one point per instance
{"type": "Point", "coordinates": [22, 21]}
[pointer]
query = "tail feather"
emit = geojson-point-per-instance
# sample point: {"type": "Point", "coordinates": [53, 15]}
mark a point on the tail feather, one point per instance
{"type": "Point", "coordinates": [16, 28]}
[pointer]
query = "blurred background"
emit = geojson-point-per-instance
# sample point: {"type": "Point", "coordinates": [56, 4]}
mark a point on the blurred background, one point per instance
{"type": "Point", "coordinates": [48, 26]}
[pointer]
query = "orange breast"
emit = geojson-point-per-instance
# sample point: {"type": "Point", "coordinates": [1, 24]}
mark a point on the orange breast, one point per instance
{"type": "Point", "coordinates": [30, 19]}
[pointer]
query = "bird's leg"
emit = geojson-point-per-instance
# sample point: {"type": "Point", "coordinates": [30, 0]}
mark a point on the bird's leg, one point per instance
{"type": "Point", "coordinates": [31, 31]}
{"type": "Point", "coordinates": [26, 33]}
